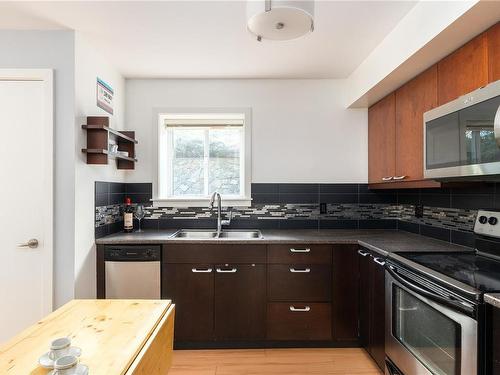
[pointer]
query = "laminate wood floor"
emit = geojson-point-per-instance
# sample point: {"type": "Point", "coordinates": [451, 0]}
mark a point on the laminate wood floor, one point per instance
{"type": "Point", "coordinates": [336, 361]}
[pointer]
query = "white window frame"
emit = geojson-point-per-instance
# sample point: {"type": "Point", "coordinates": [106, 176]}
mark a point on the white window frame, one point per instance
{"type": "Point", "coordinates": [161, 179]}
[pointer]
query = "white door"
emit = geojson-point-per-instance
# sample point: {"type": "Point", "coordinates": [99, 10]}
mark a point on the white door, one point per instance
{"type": "Point", "coordinates": [26, 132]}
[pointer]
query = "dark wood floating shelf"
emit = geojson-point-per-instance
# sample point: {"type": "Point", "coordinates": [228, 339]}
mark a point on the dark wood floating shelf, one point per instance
{"type": "Point", "coordinates": [106, 152]}
{"type": "Point", "coordinates": [112, 131]}
{"type": "Point", "coordinates": [99, 138]}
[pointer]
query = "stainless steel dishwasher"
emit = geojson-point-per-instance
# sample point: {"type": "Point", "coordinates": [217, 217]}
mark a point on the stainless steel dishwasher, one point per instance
{"type": "Point", "coordinates": [132, 272]}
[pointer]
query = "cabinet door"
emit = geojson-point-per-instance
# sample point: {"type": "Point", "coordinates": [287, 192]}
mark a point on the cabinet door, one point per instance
{"type": "Point", "coordinates": [412, 100]}
{"type": "Point", "coordinates": [377, 313]}
{"type": "Point", "coordinates": [240, 302]}
{"type": "Point", "coordinates": [463, 71]}
{"type": "Point", "coordinates": [191, 288]}
{"type": "Point", "coordinates": [493, 35]}
{"type": "Point", "coordinates": [345, 303]}
{"type": "Point", "coordinates": [382, 139]}
{"type": "Point", "coordinates": [364, 299]}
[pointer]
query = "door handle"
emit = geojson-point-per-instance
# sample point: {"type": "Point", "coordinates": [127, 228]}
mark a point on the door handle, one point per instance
{"type": "Point", "coordinates": [300, 309]}
{"type": "Point", "coordinates": [201, 270]}
{"type": "Point", "coordinates": [363, 253]}
{"type": "Point", "coordinates": [398, 178]}
{"type": "Point", "coordinates": [389, 178]}
{"type": "Point", "coordinates": [300, 270]}
{"type": "Point", "coordinates": [306, 250]}
{"type": "Point", "coordinates": [231, 270]}
{"type": "Point", "coordinates": [32, 244]}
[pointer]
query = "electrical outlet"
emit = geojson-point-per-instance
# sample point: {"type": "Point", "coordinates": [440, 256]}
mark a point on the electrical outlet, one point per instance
{"type": "Point", "coordinates": [419, 210]}
{"type": "Point", "coordinates": [322, 208]}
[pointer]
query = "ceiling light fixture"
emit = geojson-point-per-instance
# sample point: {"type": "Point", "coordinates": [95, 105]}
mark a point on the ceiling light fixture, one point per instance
{"type": "Point", "coordinates": [280, 19]}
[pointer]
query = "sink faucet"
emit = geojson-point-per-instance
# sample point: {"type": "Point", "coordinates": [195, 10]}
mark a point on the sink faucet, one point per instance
{"type": "Point", "coordinates": [220, 222]}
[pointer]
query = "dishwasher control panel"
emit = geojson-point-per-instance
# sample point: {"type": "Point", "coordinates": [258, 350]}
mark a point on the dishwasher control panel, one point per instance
{"type": "Point", "coordinates": [131, 253]}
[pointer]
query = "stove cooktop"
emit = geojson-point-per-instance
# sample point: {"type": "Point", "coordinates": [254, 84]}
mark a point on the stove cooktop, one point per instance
{"type": "Point", "coordinates": [477, 271]}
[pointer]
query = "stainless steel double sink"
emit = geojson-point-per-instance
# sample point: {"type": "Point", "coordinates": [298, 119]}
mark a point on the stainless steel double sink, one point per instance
{"type": "Point", "coordinates": [201, 234]}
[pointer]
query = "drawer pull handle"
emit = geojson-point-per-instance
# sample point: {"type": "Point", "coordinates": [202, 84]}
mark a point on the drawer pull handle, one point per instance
{"type": "Point", "coordinates": [306, 250]}
{"type": "Point", "coordinates": [201, 270]}
{"type": "Point", "coordinates": [300, 309]}
{"type": "Point", "coordinates": [300, 270]}
{"type": "Point", "coordinates": [231, 270]}
{"type": "Point", "coordinates": [379, 261]}
{"type": "Point", "coordinates": [363, 253]}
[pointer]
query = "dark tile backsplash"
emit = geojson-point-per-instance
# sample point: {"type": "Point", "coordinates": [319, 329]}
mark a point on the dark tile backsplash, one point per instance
{"type": "Point", "coordinates": [448, 213]}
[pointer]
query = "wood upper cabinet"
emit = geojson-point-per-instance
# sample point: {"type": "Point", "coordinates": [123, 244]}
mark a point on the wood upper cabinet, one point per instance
{"type": "Point", "coordinates": [382, 139]}
{"type": "Point", "coordinates": [412, 100]}
{"type": "Point", "coordinates": [464, 70]}
{"type": "Point", "coordinates": [493, 35]}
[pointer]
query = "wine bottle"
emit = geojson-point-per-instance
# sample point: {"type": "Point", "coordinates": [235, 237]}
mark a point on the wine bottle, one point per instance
{"type": "Point", "coordinates": [128, 216]}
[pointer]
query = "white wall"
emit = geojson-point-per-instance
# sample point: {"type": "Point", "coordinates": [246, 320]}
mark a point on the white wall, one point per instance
{"type": "Point", "coordinates": [301, 131]}
{"type": "Point", "coordinates": [54, 50]}
{"type": "Point", "coordinates": [88, 66]}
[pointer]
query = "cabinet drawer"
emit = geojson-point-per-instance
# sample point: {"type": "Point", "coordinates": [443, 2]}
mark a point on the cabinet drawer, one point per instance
{"type": "Point", "coordinates": [300, 282]}
{"type": "Point", "coordinates": [208, 253]}
{"type": "Point", "coordinates": [300, 254]}
{"type": "Point", "coordinates": [299, 321]}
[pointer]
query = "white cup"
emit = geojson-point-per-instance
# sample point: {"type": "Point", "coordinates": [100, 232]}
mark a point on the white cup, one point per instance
{"type": "Point", "coordinates": [66, 365]}
{"type": "Point", "coordinates": [59, 348]}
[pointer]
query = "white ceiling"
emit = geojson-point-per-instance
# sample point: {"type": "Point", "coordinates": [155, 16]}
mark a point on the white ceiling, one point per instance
{"type": "Point", "coordinates": [208, 39]}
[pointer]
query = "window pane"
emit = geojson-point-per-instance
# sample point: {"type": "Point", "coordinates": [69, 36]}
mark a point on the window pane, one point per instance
{"type": "Point", "coordinates": [224, 162]}
{"type": "Point", "coordinates": [187, 163]}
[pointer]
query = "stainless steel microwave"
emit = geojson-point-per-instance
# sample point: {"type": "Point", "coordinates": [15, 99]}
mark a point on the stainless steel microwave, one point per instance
{"type": "Point", "coordinates": [462, 137]}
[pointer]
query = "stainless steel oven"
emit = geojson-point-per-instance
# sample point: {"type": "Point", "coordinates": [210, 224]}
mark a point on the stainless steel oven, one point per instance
{"type": "Point", "coordinates": [429, 329]}
{"type": "Point", "coordinates": [462, 137]}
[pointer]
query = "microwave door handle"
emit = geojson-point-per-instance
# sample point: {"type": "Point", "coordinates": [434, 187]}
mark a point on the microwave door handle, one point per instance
{"type": "Point", "coordinates": [450, 302]}
{"type": "Point", "coordinates": [497, 126]}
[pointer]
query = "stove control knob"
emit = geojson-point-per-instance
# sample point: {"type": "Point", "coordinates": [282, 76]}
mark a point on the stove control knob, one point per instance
{"type": "Point", "coordinates": [483, 219]}
{"type": "Point", "coordinates": [493, 220]}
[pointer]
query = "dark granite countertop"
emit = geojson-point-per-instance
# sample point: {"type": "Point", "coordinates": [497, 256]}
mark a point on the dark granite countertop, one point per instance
{"type": "Point", "coordinates": [381, 241]}
{"type": "Point", "coordinates": [492, 299]}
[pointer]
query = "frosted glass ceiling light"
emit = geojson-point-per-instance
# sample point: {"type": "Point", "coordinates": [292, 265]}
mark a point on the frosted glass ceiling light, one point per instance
{"type": "Point", "coordinates": [280, 19]}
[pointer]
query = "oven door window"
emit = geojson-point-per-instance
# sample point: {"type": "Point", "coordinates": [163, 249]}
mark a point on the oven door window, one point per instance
{"type": "Point", "coordinates": [432, 337]}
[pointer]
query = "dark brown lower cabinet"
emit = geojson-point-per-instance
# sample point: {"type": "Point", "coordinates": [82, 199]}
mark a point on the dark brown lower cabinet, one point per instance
{"type": "Point", "coordinates": [299, 321]}
{"type": "Point", "coordinates": [191, 286]}
{"type": "Point", "coordinates": [345, 302]}
{"type": "Point", "coordinates": [240, 302]}
{"type": "Point", "coordinates": [372, 309]}
{"type": "Point", "coordinates": [217, 302]}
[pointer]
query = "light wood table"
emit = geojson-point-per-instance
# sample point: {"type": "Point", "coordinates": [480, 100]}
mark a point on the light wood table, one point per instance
{"type": "Point", "coordinates": [131, 337]}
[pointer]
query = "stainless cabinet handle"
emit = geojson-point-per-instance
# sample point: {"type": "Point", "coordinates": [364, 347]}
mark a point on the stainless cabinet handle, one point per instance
{"type": "Point", "coordinates": [379, 261]}
{"type": "Point", "coordinates": [363, 253]}
{"type": "Point", "coordinates": [300, 270]}
{"type": "Point", "coordinates": [232, 270]}
{"type": "Point", "coordinates": [201, 270]}
{"type": "Point", "coordinates": [300, 309]}
{"type": "Point", "coordinates": [387, 178]}
{"type": "Point", "coordinates": [398, 178]}
{"type": "Point", "coordinates": [306, 250]}
{"type": "Point", "coordinates": [32, 244]}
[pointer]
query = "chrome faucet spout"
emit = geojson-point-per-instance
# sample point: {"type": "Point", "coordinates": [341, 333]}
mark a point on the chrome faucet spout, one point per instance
{"type": "Point", "coordinates": [216, 196]}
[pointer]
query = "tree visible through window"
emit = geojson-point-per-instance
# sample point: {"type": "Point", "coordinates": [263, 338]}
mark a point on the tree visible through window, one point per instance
{"type": "Point", "coordinates": [205, 156]}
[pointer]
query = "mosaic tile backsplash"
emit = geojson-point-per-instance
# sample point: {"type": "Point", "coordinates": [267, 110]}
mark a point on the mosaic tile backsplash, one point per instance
{"type": "Point", "coordinates": [448, 214]}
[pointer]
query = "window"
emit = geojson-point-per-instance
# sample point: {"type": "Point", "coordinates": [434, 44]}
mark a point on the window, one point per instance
{"type": "Point", "coordinates": [203, 153]}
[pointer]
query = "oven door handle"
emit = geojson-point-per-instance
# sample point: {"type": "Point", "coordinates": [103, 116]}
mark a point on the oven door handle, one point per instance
{"type": "Point", "coordinates": [450, 302]}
